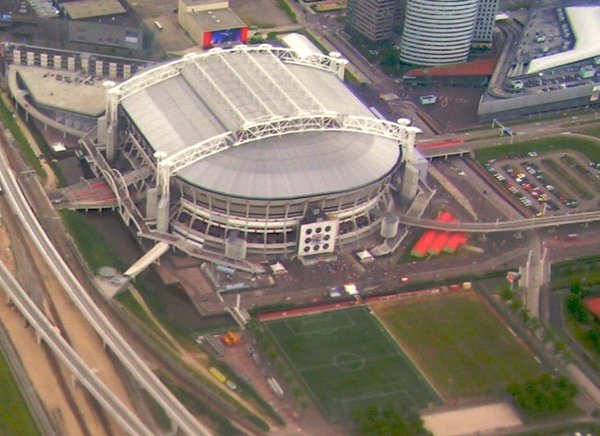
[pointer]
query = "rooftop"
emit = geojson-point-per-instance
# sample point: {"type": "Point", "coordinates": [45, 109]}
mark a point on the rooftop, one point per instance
{"type": "Point", "coordinates": [218, 19]}
{"type": "Point", "coordinates": [226, 90]}
{"type": "Point", "coordinates": [81, 9]}
{"type": "Point", "coordinates": [69, 91]}
{"type": "Point", "coordinates": [300, 44]}
{"type": "Point", "coordinates": [481, 67]}
{"type": "Point", "coordinates": [583, 21]}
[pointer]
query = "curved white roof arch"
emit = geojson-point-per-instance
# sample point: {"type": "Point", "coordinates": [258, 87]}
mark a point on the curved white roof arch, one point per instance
{"type": "Point", "coordinates": [205, 103]}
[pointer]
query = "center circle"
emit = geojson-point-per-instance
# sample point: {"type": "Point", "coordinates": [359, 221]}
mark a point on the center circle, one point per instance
{"type": "Point", "coordinates": [349, 362]}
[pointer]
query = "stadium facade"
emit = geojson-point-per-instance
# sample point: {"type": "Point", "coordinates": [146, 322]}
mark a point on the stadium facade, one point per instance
{"type": "Point", "coordinates": [252, 151]}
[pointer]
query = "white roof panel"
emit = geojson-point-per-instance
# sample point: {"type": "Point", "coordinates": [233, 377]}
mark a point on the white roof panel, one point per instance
{"type": "Point", "coordinates": [330, 91]}
{"type": "Point", "coordinates": [585, 25]}
{"type": "Point", "coordinates": [171, 116]}
{"type": "Point", "coordinates": [215, 94]}
{"type": "Point", "coordinates": [300, 44]}
{"type": "Point", "coordinates": [296, 165]}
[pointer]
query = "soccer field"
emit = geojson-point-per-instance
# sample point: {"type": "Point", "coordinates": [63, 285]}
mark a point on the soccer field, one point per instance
{"type": "Point", "coordinates": [459, 344]}
{"type": "Point", "coordinates": [347, 361]}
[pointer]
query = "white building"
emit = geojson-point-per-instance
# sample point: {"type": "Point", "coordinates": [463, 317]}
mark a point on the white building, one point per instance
{"type": "Point", "coordinates": [438, 32]}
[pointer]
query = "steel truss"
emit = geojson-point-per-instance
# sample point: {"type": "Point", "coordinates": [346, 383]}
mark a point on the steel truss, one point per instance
{"type": "Point", "coordinates": [116, 94]}
{"type": "Point", "coordinates": [169, 165]}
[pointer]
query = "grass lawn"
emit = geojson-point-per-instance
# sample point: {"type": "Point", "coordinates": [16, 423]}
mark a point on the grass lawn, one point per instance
{"type": "Point", "coordinates": [459, 344]}
{"type": "Point", "coordinates": [565, 142]}
{"type": "Point", "coordinates": [347, 361]}
{"type": "Point", "coordinates": [15, 418]}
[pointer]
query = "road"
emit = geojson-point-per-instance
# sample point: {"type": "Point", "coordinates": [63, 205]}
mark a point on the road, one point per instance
{"type": "Point", "coordinates": [69, 357]}
{"type": "Point", "coordinates": [125, 353]}
{"type": "Point", "coordinates": [502, 226]}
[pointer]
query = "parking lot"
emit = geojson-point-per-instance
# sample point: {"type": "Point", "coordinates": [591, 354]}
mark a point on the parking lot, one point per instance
{"type": "Point", "coordinates": [549, 183]}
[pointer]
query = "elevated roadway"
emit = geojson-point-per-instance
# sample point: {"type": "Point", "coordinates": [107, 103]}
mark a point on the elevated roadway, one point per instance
{"type": "Point", "coordinates": [68, 356]}
{"type": "Point", "coordinates": [502, 226]}
{"type": "Point", "coordinates": [124, 352]}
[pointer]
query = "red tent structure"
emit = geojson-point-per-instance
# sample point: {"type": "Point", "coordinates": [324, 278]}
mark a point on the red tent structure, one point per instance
{"type": "Point", "coordinates": [433, 242]}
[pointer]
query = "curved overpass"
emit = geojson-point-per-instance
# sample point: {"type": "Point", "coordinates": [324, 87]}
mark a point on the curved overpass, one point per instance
{"type": "Point", "coordinates": [68, 356]}
{"type": "Point", "coordinates": [124, 352]}
{"type": "Point", "coordinates": [502, 226]}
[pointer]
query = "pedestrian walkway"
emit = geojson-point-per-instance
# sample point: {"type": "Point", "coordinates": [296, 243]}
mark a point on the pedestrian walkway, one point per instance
{"type": "Point", "coordinates": [452, 190]}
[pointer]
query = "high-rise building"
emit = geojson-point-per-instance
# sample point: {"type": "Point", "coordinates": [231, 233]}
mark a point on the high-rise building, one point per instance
{"type": "Point", "coordinates": [372, 19]}
{"type": "Point", "coordinates": [438, 32]}
{"type": "Point", "coordinates": [484, 24]}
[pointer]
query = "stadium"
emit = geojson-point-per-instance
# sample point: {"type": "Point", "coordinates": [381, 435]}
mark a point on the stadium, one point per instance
{"type": "Point", "coordinates": [258, 152]}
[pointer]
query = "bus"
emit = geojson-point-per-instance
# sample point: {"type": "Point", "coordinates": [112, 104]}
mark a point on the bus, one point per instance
{"type": "Point", "coordinates": [217, 374]}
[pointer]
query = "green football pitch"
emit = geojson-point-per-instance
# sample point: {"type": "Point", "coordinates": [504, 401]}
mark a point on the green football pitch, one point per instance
{"type": "Point", "coordinates": [347, 361]}
{"type": "Point", "coordinates": [459, 344]}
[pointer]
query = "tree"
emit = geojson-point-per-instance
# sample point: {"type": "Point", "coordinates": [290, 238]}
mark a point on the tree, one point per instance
{"type": "Point", "coordinates": [376, 420]}
{"type": "Point", "coordinates": [507, 294]}
{"type": "Point", "coordinates": [389, 57]}
{"type": "Point", "coordinates": [593, 337]}
{"type": "Point", "coordinates": [544, 395]}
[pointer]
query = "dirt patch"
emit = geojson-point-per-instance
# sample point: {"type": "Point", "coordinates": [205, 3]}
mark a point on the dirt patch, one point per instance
{"type": "Point", "coordinates": [472, 420]}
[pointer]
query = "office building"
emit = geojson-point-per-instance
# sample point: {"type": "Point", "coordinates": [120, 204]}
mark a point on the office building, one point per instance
{"type": "Point", "coordinates": [438, 32]}
{"type": "Point", "coordinates": [373, 20]}
{"type": "Point", "coordinates": [484, 24]}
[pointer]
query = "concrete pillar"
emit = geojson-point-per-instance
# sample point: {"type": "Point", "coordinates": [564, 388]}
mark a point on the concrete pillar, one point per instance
{"type": "Point", "coordinates": [151, 203]}
{"type": "Point", "coordinates": [410, 183]}
{"type": "Point", "coordinates": [44, 60]}
{"type": "Point", "coordinates": [71, 63]}
{"type": "Point", "coordinates": [57, 62]}
{"type": "Point", "coordinates": [112, 70]}
{"type": "Point", "coordinates": [126, 71]}
{"type": "Point", "coordinates": [85, 65]}
{"type": "Point", "coordinates": [17, 57]}
{"type": "Point", "coordinates": [99, 68]}
{"type": "Point", "coordinates": [111, 142]}
{"type": "Point", "coordinates": [162, 216]}
{"type": "Point", "coordinates": [102, 126]}
{"type": "Point", "coordinates": [408, 147]}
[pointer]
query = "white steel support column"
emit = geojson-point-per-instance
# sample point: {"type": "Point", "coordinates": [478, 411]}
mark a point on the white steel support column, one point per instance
{"type": "Point", "coordinates": [163, 182]}
{"type": "Point", "coordinates": [408, 146]}
{"type": "Point", "coordinates": [112, 101]}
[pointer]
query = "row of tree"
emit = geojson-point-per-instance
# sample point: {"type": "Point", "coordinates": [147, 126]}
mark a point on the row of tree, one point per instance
{"type": "Point", "coordinates": [386, 420]}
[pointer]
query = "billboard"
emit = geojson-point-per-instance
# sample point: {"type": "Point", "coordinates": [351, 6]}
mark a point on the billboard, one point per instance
{"type": "Point", "coordinates": [317, 238]}
{"type": "Point", "coordinates": [220, 37]}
